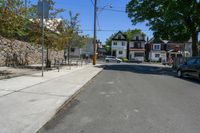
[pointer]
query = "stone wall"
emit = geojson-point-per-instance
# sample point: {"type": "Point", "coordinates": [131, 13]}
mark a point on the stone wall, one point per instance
{"type": "Point", "coordinates": [14, 52]}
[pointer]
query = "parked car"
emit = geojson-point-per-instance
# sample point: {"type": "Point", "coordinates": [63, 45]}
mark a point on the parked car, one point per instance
{"type": "Point", "coordinates": [112, 59]}
{"type": "Point", "coordinates": [190, 68]}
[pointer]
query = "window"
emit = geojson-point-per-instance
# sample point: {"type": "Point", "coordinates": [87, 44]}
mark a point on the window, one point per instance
{"type": "Point", "coordinates": [191, 61]}
{"type": "Point", "coordinates": [72, 49]}
{"type": "Point", "coordinates": [135, 45]}
{"type": "Point", "coordinates": [120, 52]}
{"type": "Point", "coordinates": [115, 43]}
{"type": "Point", "coordinates": [137, 37]}
{"type": "Point", "coordinates": [198, 61]}
{"type": "Point", "coordinates": [157, 55]}
{"type": "Point", "coordinates": [119, 37]}
{"type": "Point", "coordinates": [156, 47]}
{"type": "Point", "coordinates": [123, 43]}
{"type": "Point", "coordinates": [139, 54]}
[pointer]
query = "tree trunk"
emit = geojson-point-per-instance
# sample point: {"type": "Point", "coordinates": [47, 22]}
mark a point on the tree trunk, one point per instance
{"type": "Point", "coordinates": [194, 44]}
{"type": "Point", "coordinates": [48, 62]}
{"type": "Point", "coordinates": [68, 55]}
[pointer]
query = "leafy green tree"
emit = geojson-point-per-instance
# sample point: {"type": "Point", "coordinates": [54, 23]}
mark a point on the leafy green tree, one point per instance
{"type": "Point", "coordinates": [12, 19]}
{"type": "Point", "coordinates": [13, 25]}
{"type": "Point", "coordinates": [108, 44]}
{"type": "Point", "coordinates": [176, 20]}
{"type": "Point", "coordinates": [50, 33]}
{"type": "Point", "coordinates": [130, 33]}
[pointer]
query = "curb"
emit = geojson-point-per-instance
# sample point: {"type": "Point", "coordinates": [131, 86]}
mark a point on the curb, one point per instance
{"type": "Point", "coordinates": [67, 102]}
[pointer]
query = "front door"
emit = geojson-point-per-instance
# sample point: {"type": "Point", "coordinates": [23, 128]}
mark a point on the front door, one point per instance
{"type": "Point", "coordinates": [114, 53]}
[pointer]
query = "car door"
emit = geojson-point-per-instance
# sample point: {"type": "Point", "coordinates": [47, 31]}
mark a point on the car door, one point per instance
{"type": "Point", "coordinates": [196, 68]}
{"type": "Point", "coordinates": [189, 68]}
{"type": "Point", "coordinates": [113, 59]}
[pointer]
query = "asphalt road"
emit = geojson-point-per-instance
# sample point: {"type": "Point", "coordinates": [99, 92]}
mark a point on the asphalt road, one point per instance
{"type": "Point", "coordinates": [132, 99]}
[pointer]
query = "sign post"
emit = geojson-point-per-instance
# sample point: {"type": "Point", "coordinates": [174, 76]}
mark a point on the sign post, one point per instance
{"type": "Point", "coordinates": [43, 13]}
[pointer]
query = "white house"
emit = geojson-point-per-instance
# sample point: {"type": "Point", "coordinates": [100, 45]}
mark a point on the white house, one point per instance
{"type": "Point", "coordinates": [137, 48]}
{"type": "Point", "coordinates": [157, 50]}
{"type": "Point", "coordinates": [87, 50]}
{"type": "Point", "coordinates": [119, 45]}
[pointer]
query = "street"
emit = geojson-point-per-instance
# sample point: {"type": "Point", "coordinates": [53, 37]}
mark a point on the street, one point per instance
{"type": "Point", "coordinates": [132, 98]}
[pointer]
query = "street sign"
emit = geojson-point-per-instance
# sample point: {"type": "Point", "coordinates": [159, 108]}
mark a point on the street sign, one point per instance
{"type": "Point", "coordinates": [43, 7]}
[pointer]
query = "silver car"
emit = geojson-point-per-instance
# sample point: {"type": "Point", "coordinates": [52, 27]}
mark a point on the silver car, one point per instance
{"type": "Point", "coordinates": [112, 59]}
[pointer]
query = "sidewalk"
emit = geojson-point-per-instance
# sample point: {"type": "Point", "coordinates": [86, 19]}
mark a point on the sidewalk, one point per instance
{"type": "Point", "coordinates": [28, 102]}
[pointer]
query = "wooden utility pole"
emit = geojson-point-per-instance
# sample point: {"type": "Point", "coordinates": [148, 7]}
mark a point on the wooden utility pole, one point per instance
{"type": "Point", "coordinates": [94, 39]}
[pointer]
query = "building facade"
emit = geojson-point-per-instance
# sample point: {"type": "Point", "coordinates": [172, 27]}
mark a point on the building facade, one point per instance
{"type": "Point", "coordinates": [156, 50]}
{"type": "Point", "coordinates": [119, 45]}
{"type": "Point", "coordinates": [137, 48]}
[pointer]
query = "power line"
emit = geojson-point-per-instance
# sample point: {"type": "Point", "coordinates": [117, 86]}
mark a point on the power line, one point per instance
{"type": "Point", "coordinates": [92, 2]}
{"type": "Point", "coordinates": [115, 10]}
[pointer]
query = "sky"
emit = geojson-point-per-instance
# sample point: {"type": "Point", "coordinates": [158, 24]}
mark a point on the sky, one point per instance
{"type": "Point", "coordinates": [108, 22]}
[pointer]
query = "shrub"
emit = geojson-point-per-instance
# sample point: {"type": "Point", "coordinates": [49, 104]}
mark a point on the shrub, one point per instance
{"type": "Point", "coordinates": [124, 59]}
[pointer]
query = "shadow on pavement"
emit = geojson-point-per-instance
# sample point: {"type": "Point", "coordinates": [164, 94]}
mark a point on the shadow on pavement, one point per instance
{"type": "Point", "coordinates": [145, 69]}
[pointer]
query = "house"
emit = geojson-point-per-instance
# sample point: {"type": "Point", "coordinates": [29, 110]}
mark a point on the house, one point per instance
{"type": "Point", "coordinates": [136, 48]}
{"type": "Point", "coordinates": [162, 50]}
{"type": "Point", "coordinates": [175, 49]}
{"type": "Point", "coordinates": [156, 50]}
{"type": "Point", "coordinates": [119, 45]}
{"type": "Point", "coordinates": [88, 48]}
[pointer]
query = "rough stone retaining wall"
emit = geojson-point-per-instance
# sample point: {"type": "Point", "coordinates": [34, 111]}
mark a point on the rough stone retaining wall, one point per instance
{"type": "Point", "coordinates": [25, 53]}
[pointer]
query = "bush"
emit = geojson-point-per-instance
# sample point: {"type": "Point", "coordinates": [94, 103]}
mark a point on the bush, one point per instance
{"type": "Point", "coordinates": [124, 59]}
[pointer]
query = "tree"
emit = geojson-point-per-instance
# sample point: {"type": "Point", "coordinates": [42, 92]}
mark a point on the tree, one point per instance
{"type": "Point", "coordinates": [130, 33]}
{"type": "Point", "coordinates": [108, 44]}
{"type": "Point", "coordinates": [13, 25]}
{"type": "Point", "coordinates": [50, 33]}
{"type": "Point", "coordinates": [69, 34]}
{"type": "Point", "coordinates": [176, 20]}
{"type": "Point", "coordinates": [12, 19]}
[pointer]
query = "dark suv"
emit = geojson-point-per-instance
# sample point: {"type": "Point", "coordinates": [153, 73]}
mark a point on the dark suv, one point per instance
{"type": "Point", "coordinates": [190, 68]}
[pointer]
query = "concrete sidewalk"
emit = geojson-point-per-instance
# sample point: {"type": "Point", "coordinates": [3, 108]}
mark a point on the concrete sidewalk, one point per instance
{"type": "Point", "coordinates": [28, 102]}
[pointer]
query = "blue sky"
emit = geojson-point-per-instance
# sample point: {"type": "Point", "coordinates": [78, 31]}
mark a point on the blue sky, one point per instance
{"type": "Point", "coordinates": [107, 20]}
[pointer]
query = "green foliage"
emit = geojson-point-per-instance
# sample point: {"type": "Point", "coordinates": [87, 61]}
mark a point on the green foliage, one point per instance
{"type": "Point", "coordinates": [176, 20]}
{"type": "Point", "coordinates": [124, 59]}
{"type": "Point", "coordinates": [108, 44]}
{"type": "Point", "coordinates": [130, 33]}
{"type": "Point", "coordinates": [12, 19]}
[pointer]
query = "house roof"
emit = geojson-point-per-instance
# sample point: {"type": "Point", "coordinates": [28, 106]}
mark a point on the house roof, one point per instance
{"type": "Point", "coordinates": [138, 34]}
{"type": "Point", "coordinates": [114, 37]}
{"type": "Point", "coordinates": [153, 40]}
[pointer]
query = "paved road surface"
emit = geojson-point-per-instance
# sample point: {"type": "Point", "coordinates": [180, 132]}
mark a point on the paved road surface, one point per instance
{"type": "Point", "coordinates": [132, 99]}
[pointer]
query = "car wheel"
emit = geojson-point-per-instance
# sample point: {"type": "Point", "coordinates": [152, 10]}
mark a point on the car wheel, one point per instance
{"type": "Point", "coordinates": [118, 61]}
{"type": "Point", "coordinates": [179, 74]}
{"type": "Point", "coordinates": [107, 61]}
{"type": "Point", "coordinates": [199, 77]}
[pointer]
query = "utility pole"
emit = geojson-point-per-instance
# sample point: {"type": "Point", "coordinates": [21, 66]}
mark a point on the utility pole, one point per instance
{"type": "Point", "coordinates": [42, 38]}
{"type": "Point", "coordinates": [94, 39]}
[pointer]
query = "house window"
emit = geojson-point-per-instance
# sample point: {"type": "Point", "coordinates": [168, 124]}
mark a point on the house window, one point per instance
{"type": "Point", "coordinates": [137, 37]}
{"type": "Point", "coordinates": [72, 49]}
{"type": "Point", "coordinates": [156, 47]}
{"type": "Point", "coordinates": [119, 37]}
{"type": "Point", "coordinates": [120, 52]}
{"type": "Point", "coordinates": [135, 45]}
{"type": "Point", "coordinates": [123, 43]}
{"type": "Point", "coordinates": [157, 55]}
{"type": "Point", "coordinates": [115, 43]}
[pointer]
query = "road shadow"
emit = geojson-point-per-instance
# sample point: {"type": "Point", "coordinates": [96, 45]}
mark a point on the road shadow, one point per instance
{"type": "Point", "coordinates": [145, 69]}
